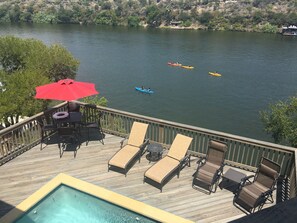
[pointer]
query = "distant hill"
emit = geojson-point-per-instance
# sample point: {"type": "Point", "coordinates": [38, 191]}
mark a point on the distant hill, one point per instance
{"type": "Point", "coordinates": [237, 15]}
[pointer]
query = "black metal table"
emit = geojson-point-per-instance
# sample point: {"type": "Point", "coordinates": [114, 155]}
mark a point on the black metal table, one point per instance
{"type": "Point", "coordinates": [72, 118]}
{"type": "Point", "coordinates": [155, 152]}
{"type": "Point", "coordinates": [232, 179]}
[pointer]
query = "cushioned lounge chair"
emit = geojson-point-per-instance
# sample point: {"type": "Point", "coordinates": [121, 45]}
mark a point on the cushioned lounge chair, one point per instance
{"type": "Point", "coordinates": [126, 157]}
{"type": "Point", "coordinates": [252, 195]}
{"type": "Point", "coordinates": [210, 168]}
{"type": "Point", "coordinates": [170, 165]}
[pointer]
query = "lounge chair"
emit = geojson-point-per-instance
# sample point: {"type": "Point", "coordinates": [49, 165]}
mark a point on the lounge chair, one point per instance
{"type": "Point", "coordinates": [126, 157]}
{"type": "Point", "coordinates": [210, 168]}
{"type": "Point", "coordinates": [161, 172]}
{"type": "Point", "coordinates": [252, 195]}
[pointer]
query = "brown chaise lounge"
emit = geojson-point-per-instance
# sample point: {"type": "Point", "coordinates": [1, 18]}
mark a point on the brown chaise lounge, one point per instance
{"type": "Point", "coordinates": [210, 168]}
{"type": "Point", "coordinates": [126, 157]}
{"type": "Point", "coordinates": [254, 194]}
{"type": "Point", "coordinates": [161, 172]}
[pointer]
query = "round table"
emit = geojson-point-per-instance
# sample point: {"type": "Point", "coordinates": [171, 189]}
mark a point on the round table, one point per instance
{"type": "Point", "coordinates": [155, 152]}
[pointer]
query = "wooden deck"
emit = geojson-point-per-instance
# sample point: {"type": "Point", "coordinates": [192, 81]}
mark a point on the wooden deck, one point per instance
{"type": "Point", "coordinates": [22, 176]}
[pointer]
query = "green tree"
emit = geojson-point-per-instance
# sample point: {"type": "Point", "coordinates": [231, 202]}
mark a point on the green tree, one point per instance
{"type": "Point", "coordinates": [25, 64]}
{"type": "Point", "coordinates": [95, 100]}
{"type": "Point", "coordinates": [153, 16]}
{"type": "Point", "coordinates": [268, 28]}
{"type": "Point", "coordinates": [205, 18]}
{"type": "Point", "coordinates": [133, 21]}
{"type": "Point", "coordinates": [15, 13]}
{"type": "Point", "coordinates": [42, 17]}
{"type": "Point", "coordinates": [280, 120]}
{"type": "Point", "coordinates": [107, 18]}
{"type": "Point", "coordinates": [18, 97]}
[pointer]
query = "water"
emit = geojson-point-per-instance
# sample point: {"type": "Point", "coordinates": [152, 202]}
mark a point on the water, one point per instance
{"type": "Point", "coordinates": [257, 69]}
{"type": "Point", "coordinates": [66, 204]}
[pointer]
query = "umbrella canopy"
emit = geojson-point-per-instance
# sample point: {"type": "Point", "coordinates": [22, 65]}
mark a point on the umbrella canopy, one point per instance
{"type": "Point", "coordinates": [65, 90]}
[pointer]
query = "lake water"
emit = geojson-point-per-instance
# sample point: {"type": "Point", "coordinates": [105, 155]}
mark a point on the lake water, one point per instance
{"type": "Point", "coordinates": [257, 69]}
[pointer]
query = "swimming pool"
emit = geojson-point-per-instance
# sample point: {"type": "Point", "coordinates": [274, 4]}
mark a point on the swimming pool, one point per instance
{"type": "Point", "coordinates": [66, 204]}
{"type": "Point", "coordinates": [67, 199]}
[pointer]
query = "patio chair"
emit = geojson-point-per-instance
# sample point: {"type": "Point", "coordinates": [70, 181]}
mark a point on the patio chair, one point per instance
{"type": "Point", "coordinates": [46, 129]}
{"type": "Point", "coordinates": [68, 139]}
{"type": "Point", "coordinates": [92, 121]}
{"type": "Point", "coordinates": [252, 195]}
{"type": "Point", "coordinates": [123, 160]}
{"type": "Point", "coordinates": [176, 159]}
{"type": "Point", "coordinates": [73, 107]}
{"type": "Point", "coordinates": [210, 168]}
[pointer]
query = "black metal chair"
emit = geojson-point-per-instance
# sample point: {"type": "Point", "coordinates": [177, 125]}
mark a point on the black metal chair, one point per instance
{"type": "Point", "coordinates": [46, 129]}
{"type": "Point", "coordinates": [92, 121]}
{"type": "Point", "coordinates": [73, 107]}
{"type": "Point", "coordinates": [69, 137]}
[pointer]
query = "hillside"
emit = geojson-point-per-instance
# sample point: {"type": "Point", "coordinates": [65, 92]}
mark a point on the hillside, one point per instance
{"type": "Point", "coordinates": [237, 15]}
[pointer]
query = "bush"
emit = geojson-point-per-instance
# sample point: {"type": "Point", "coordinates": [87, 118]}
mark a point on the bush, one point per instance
{"type": "Point", "coordinates": [268, 28]}
{"type": "Point", "coordinates": [205, 18]}
{"type": "Point", "coordinates": [187, 23]}
{"type": "Point", "coordinates": [133, 21]}
{"type": "Point", "coordinates": [107, 18]}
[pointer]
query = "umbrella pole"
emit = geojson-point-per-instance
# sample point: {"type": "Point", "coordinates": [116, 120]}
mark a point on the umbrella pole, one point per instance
{"type": "Point", "coordinates": [68, 108]}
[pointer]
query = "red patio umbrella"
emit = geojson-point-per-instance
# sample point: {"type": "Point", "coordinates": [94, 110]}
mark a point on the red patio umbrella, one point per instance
{"type": "Point", "coordinates": [65, 90]}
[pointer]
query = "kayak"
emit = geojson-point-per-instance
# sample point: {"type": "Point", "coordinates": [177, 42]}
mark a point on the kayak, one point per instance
{"type": "Point", "coordinates": [215, 74]}
{"type": "Point", "coordinates": [174, 64]}
{"type": "Point", "coordinates": [147, 91]}
{"type": "Point", "coordinates": [188, 67]}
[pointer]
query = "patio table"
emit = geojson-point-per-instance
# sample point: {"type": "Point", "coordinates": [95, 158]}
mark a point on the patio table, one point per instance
{"type": "Point", "coordinates": [73, 118]}
{"type": "Point", "coordinates": [155, 151]}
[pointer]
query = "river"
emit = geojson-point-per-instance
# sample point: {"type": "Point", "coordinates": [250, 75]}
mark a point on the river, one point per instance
{"type": "Point", "coordinates": [257, 70]}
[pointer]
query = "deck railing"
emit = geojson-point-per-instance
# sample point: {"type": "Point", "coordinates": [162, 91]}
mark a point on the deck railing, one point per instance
{"type": "Point", "coordinates": [243, 152]}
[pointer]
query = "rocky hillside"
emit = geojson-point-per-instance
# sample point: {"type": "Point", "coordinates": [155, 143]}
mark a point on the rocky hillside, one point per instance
{"type": "Point", "coordinates": [238, 15]}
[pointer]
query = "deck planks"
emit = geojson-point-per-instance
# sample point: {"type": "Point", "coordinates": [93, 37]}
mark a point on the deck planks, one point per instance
{"type": "Point", "coordinates": [23, 175]}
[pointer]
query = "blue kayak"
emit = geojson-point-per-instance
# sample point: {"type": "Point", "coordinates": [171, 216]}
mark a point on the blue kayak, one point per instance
{"type": "Point", "coordinates": [147, 91]}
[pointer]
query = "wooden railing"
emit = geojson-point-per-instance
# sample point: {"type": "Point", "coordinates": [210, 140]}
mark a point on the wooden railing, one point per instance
{"type": "Point", "coordinates": [243, 152]}
{"type": "Point", "coordinates": [24, 135]}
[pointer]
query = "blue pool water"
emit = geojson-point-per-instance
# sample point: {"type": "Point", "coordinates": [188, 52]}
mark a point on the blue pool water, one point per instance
{"type": "Point", "coordinates": [66, 204]}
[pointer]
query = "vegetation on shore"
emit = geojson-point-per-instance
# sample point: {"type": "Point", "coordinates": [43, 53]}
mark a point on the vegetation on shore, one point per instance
{"type": "Point", "coordinates": [280, 121]}
{"type": "Point", "coordinates": [236, 15]}
{"type": "Point", "coordinates": [25, 64]}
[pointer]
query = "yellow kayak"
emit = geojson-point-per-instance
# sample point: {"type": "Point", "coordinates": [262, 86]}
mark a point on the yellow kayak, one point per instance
{"type": "Point", "coordinates": [215, 74]}
{"type": "Point", "coordinates": [187, 67]}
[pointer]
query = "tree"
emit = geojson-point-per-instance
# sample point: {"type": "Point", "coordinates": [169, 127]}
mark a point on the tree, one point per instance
{"type": "Point", "coordinates": [17, 99]}
{"type": "Point", "coordinates": [205, 18]}
{"type": "Point", "coordinates": [25, 64]}
{"type": "Point", "coordinates": [153, 14]}
{"type": "Point", "coordinates": [133, 21]}
{"type": "Point", "coordinates": [95, 100]}
{"type": "Point", "coordinates": [107, 18]}
{"type": "Point", "coordinates": [280, 120]}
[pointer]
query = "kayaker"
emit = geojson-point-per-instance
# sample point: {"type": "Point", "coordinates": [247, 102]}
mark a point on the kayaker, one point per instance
{"type": "Point", "coordinates": [142, 88]}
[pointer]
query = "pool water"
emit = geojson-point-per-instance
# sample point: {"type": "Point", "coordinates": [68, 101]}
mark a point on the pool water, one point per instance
{"type": "Point", "coordinates": [66, 204]}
